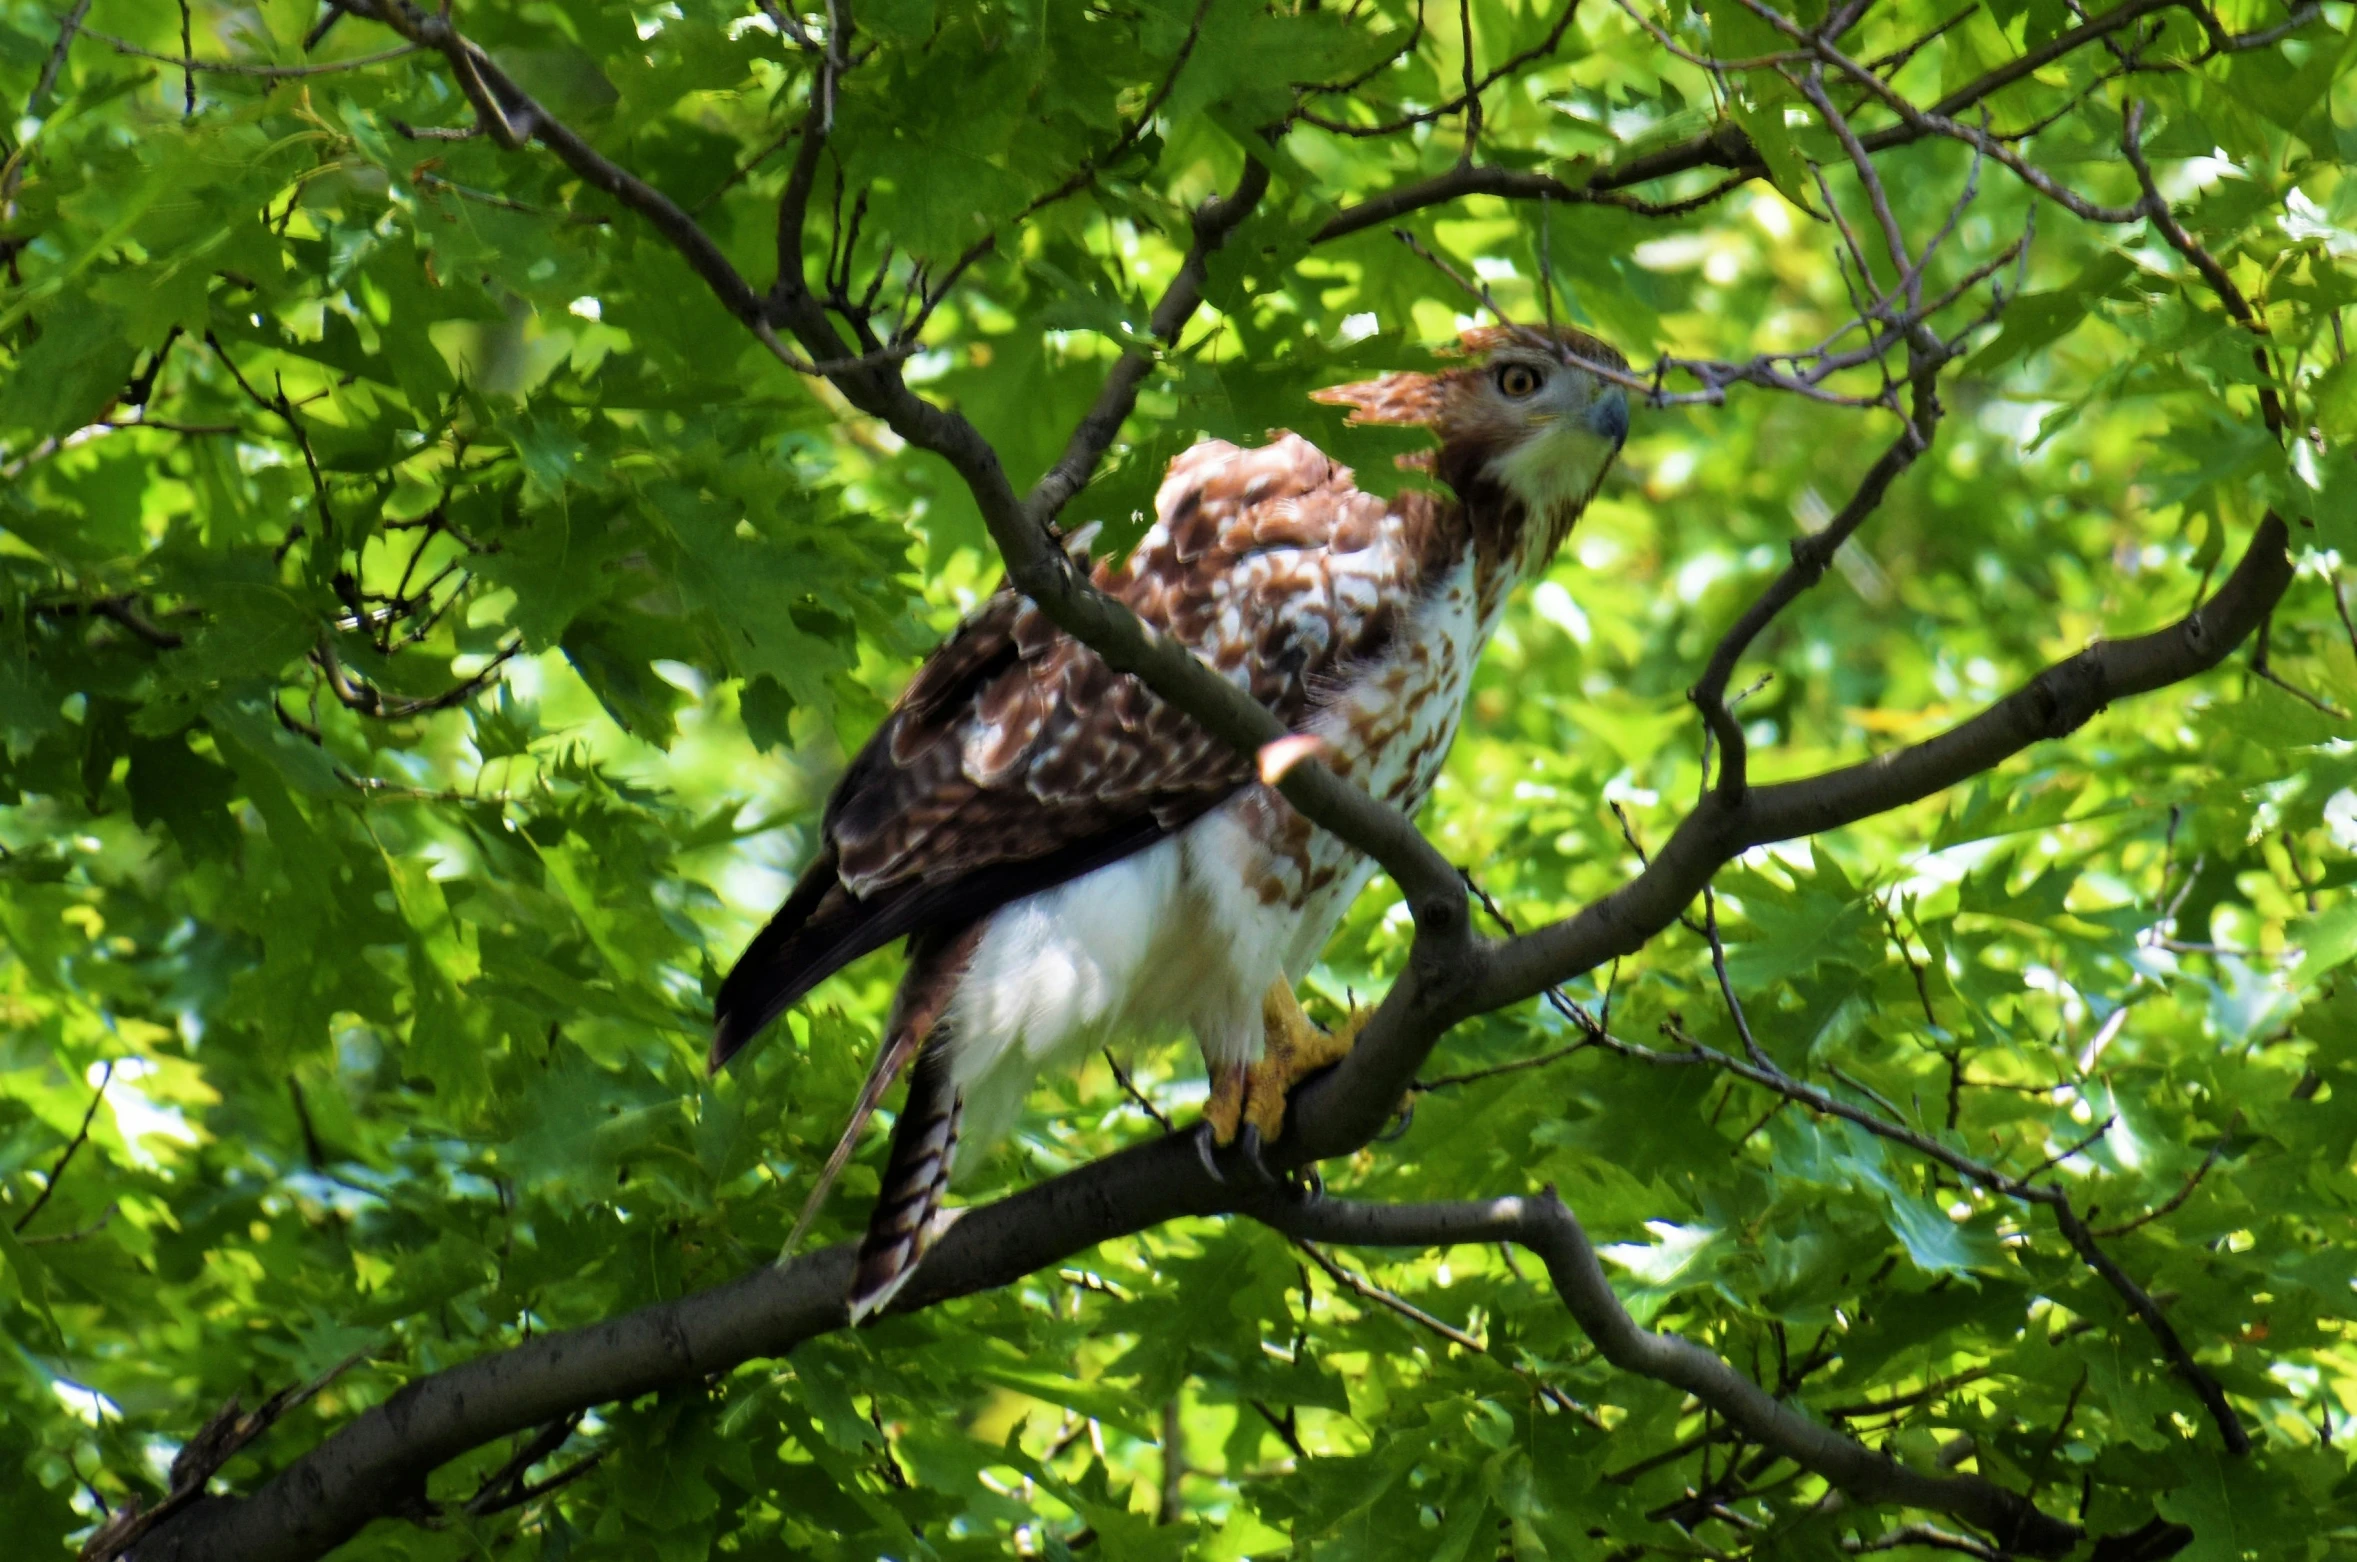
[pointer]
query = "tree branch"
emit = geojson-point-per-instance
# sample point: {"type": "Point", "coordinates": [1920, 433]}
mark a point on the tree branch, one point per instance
{"type": "Point", "coordinates": [1725, 145]}
{"type": "Point", "coordinates": [122, 609]}
{"type": "Point", "coordinates": [1548, 1228]}
{"type": "Point", "coordinates": [1469, 98]}
{"type": "Point", "coordinates": [1367, 1290]}
{"type": "Point", "coordinates": [2156, 209]}
{"type": "Point", "coordinates": [38, 98]}
{"type": "Point", "coordinates": [1759, 1068]}
{"type": "Point", "coordinates": [329, 1493]}
{"type": "Point", "coordinates": [1215, 220]}
{"type": "Point", "coordinates": [2052, 705]}
{"type": "Point", "coordinates": [1036, 561]}
{"type": "Point", "coordinates": [194, 66]}
{"type": "Point", "coordinates": [66, 1157]}
{"type": "Point", "coordinates": [383, 1454]}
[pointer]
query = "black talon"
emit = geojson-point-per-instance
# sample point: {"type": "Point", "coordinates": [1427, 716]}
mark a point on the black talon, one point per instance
{"type": "Point", "coordinates": [1206, 1150]}
{"type": "Point", "coordinates": [1248, 1142]}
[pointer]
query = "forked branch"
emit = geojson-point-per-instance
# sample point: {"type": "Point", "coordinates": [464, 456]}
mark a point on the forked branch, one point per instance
{"type": "Point", "coordinates": [1547, 1227]}
{"type": "Point", "coordinates": [1036, 561]}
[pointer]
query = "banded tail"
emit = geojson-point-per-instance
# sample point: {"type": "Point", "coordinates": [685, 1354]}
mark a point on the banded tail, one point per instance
{"type": "Point", "coordinates": [916, 1177]}
{"type": "Point", "coordinates": [924, 1140]}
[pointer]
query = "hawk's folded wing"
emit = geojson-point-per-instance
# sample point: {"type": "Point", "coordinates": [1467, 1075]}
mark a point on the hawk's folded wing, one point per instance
{"type": "Point", "coordinates": [1017, 759]}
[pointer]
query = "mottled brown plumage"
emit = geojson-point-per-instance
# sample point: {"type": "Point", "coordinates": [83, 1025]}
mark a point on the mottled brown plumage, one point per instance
{"type": "Point", "coordinates": [1077, 860]}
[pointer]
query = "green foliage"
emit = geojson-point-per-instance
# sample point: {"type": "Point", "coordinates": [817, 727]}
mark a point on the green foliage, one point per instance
{"type": "Point", "coordinates": [432, 622]}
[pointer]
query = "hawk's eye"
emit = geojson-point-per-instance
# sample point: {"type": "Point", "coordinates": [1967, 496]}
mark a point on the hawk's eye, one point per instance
{"type": "Point", "coordinates": [1518, 380]}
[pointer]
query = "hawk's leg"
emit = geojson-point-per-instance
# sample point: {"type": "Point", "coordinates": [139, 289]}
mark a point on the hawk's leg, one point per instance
{"type": "Point", "coordinates": [1293, 1049]}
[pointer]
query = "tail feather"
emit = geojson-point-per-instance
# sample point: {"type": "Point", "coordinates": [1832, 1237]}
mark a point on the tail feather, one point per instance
{"type": "Point", "coordinates": [900, 1044]}
{"type": "Point", "coordinates": [924, 1140]}
{"type": "Point", "coordinates": [916, 1177]}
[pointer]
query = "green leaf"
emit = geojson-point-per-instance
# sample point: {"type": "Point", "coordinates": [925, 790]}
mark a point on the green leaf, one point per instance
{"type": "Point", "coordinates": [76, 365]}
{"type": "Point", "coordinates": [187, 792]}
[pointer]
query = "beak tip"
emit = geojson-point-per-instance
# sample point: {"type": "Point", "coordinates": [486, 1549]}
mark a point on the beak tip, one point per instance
{"type": "Point", "coordinates": [1609, 416]}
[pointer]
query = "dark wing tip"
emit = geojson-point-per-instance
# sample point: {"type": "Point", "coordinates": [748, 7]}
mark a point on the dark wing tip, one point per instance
{"type": "Point", "coordinates": [745, 1004]}
{"type": "Point", "coordinates": [783, 962]}
{"type": "Point", "coordinates": [729, 1035]}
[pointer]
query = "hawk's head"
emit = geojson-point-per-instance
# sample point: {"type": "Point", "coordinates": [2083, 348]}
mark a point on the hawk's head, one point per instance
{"type": "Point", "coordinates": [1531, 415]}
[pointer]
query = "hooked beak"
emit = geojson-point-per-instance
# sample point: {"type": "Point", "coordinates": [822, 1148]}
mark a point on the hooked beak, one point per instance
{"type": "Point", "coordinates": [1608, 416]}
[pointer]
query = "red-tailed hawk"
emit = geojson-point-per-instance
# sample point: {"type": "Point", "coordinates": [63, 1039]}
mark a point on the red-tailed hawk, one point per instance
{"type": "Point", "coordinates": [1074, 862]}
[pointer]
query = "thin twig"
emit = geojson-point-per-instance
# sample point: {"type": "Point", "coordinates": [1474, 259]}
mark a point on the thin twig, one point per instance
{"type": "Point", "coordinates": [105, 1219]}
{"type": "Point", "coordinates": [504, 1488]}
{"type": "Point", "coordinates": [1928, 1537]}
{"type": "Point", "coordinates": [187, 63]}
{"type": "Point", "coordinates": [1359, 1285]}
{"type": "Point", "coordinates": [1517, 1066]}
{"type": "Point", "coordinates": [1130, 1089]}
{"type": "Point", "coordinates": [368, 700]}
{"type": "Point", "coordinates": [66, 32]}
{"type": "Point", "coordinates": [66, 1156]}
{"type": "Point", "coordinates": [2156, 207]}
{"type": "Point", "coordinates": [1474, 289]}
{"type": "Point", "coordinates": [1472, 95]}
{"type": "Point", "coordinates": [1718, 965]}
{"type": "Point", "coordinates": [1283, 1426]}
{"type": "Point", "coordinates": [2074, 1229]}
{"type": "Point", "coordinates": [219, 1440]}
{"type": "Point", "coordinates": [1466, 102]}
{"type": "Point", "coordinates": [191, 66]}
{"type": "Point", "coordinates": [2176, 1201]}
{"type": "Point", "coordinates": [2312, 701]}
{"type": "Point", "coordinates": [2075, 1147]}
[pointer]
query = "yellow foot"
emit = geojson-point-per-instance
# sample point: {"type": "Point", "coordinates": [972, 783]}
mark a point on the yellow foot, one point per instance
{"type": "Point", "coordinates": [1225, 1110]}
{"type": "Point", "coordinates": [1295, 1048]}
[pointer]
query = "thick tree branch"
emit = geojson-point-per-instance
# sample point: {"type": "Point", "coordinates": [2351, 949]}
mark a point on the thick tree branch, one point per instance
{"type": "Point", "coordinates": [384, 1455]}
{"type": "Point", "coordinates": [1545, 1226]}
{"type": "Point", "coordinates": [1339, 1111]}
{"type": "Point", "coordinates": [387, 1452]}
{"type": "Point", "coordinates": [356, 1473]}
{"type": "Point", "coordinates": [2052, 705]}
